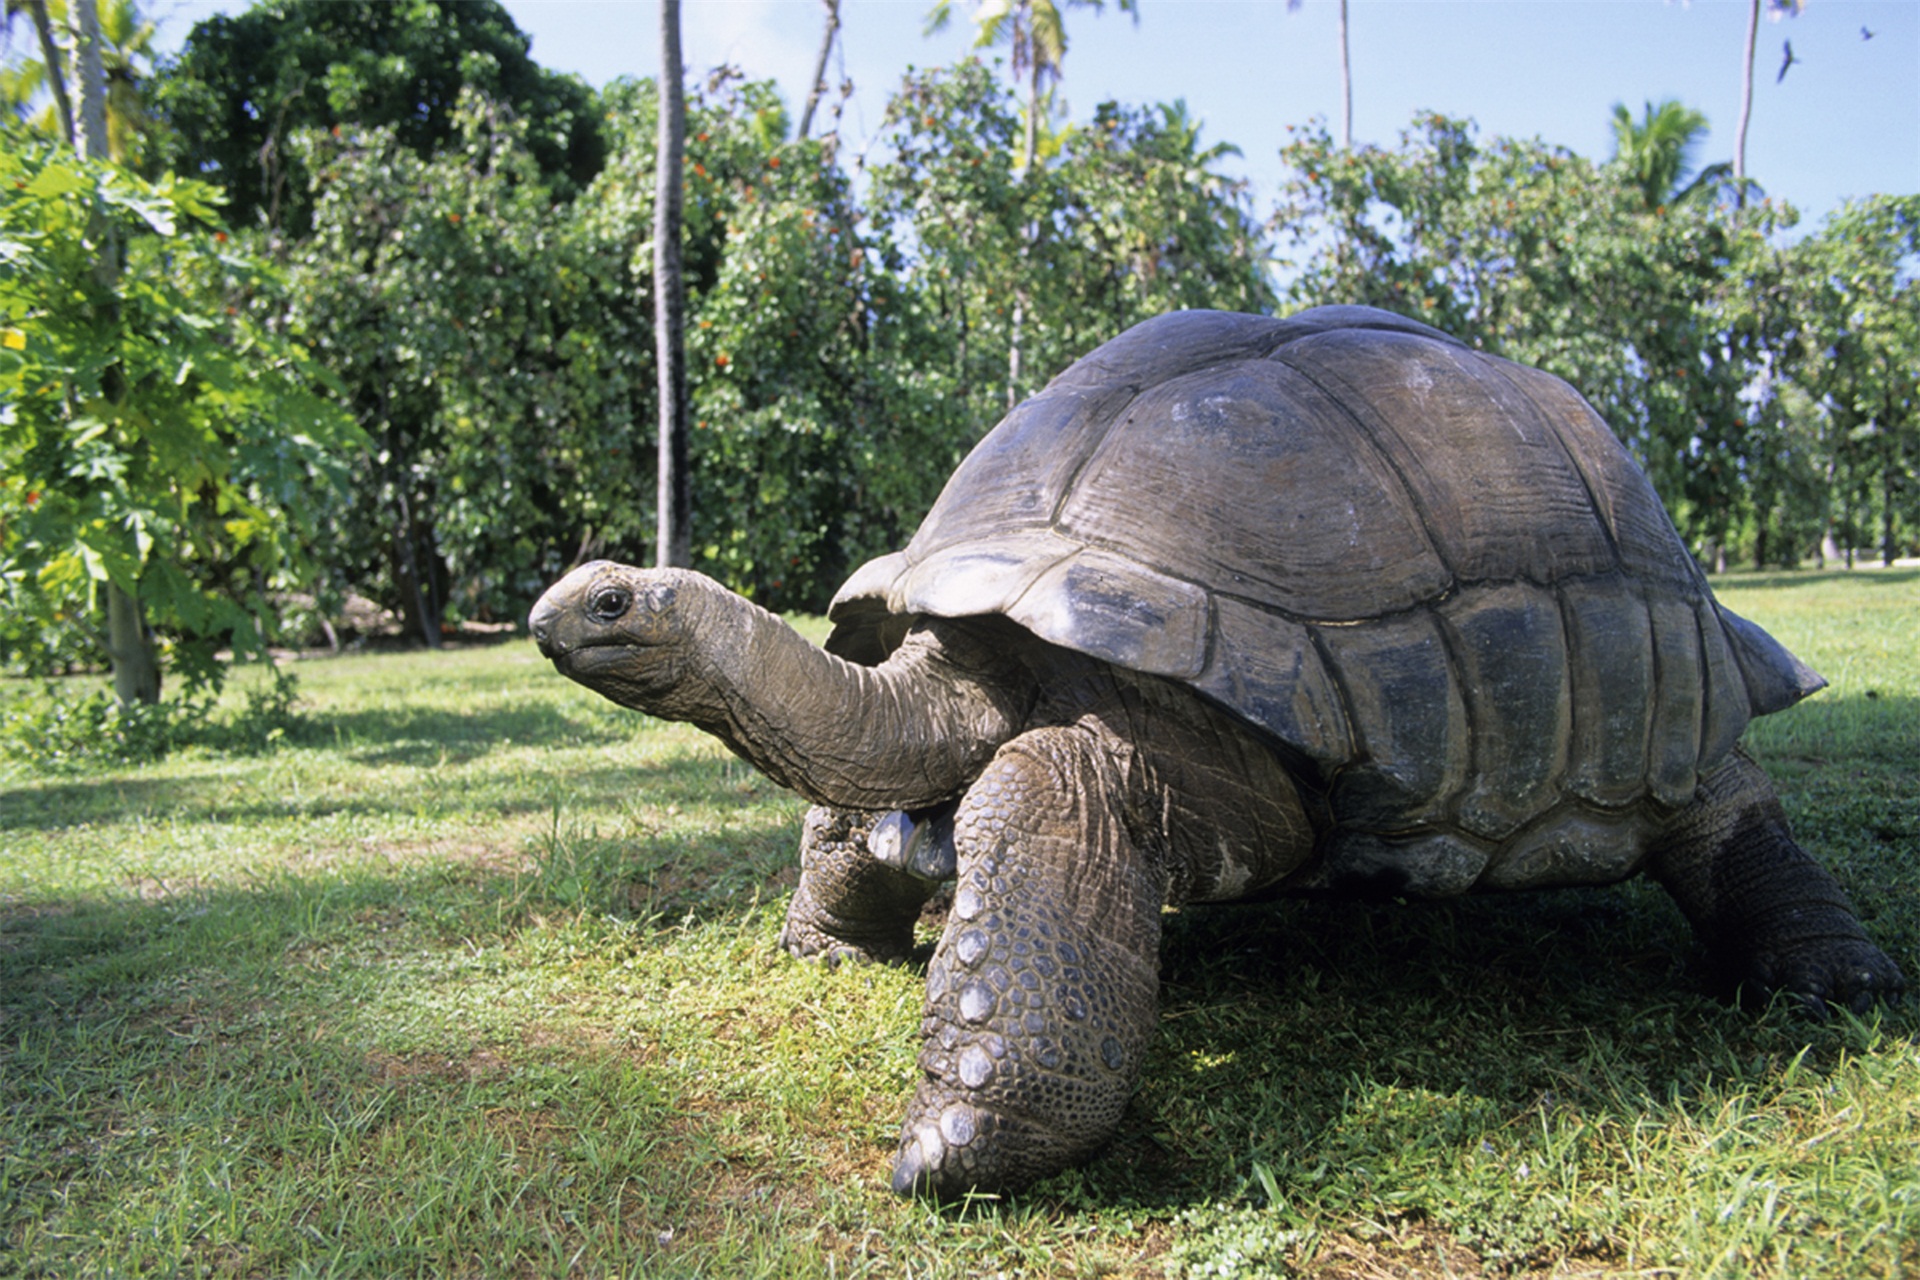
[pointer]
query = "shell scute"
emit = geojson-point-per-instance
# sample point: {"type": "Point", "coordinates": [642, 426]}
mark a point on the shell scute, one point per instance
{"type": "Point", "coordinates": [1297, 513]}
{"type": "Point", "coordinates": [1678, 700]}
{"type": "Point", "coordinates": [1611, 683]}
{"type": "Point", "coordinates": [1510, 659]}
{"type": "Point", "coordinates": [1108, 606]}
{"type": "Point", "coordinates": [1451, 424]}
{"type": "Point", "coordinates": [1412, 751]}
{"type": "Point", "coordinates": [1266, 666]}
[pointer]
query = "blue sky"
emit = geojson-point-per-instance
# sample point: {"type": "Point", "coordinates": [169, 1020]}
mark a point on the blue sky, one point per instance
{"type": "Point", "coordinates": [1845, 122]}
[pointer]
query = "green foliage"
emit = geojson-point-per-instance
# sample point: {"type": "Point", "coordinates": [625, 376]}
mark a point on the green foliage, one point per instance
{"type": "Point", "coordinates": [153, 434]}
{"type": "Point", "coordinates": [1130, 220]}
{"type": "Point", "coordinates": [1854, 296]}
{"type": "Point", "coordinates": [488, 348]}
{"type": "Point", "coordinates": [244, 86]}
{"type": "Point", "coordinates": [65, 731]}
{"type": "Point", "coordinates": [802, 361]}
{"type": "Point", "coordinates": [1657, 153]}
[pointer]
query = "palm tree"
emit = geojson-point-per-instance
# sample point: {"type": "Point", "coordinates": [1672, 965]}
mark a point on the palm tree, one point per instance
{"type": "Point", "coordinates": [672, 532]}
{"type": "Point", "coordinates": [1776, 9]}
{"type": "Point", "coordinates": [1657, 152]}
{"type": "Point", "coordinates": [19, 85]}
{"type": "Point", "coordinates": [1038, 36]}
{"type": "Point", "coordinates": [1346, 76]}
{"type": "Point", "coordinates": [1346, 84]}
{"type": "Point", "coordinates": [819, 81]}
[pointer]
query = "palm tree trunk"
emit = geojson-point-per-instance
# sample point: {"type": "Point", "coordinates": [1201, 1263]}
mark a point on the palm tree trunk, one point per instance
{"type": "Point", "coordinates": [1029, 157]}
{"type": "Point", "coordinates": [674, 538]}
{"type": "Point", "coordinates": [1346, 85]}
{"type": "Point", "coordinates": [56, 67]}
{"type": "Point", "coordinates": [819, 82]}
{"type": "Point", "coordinates": [92, 136]}
{"type": "Point", "coordinates": [1746, 106]}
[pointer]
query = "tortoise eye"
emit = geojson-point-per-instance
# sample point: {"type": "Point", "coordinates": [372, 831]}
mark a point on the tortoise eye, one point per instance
{"type": "Point", "coordinates": [608, 604]}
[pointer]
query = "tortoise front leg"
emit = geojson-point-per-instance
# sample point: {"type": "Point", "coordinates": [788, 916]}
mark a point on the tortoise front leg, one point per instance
{"type": "Point", "coordinates": [1768, 912]}
{"type": "Point", "coordinates": [849, 905]}
{"type": "Point", "coordinates": [1041, 994]}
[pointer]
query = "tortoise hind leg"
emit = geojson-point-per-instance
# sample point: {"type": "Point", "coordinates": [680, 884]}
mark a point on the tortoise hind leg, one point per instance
{"type": "Point", "coordinates": [849, 905]}
{"type": "Point", "coordinates": [1764, 907]}
{"type": "Point", "coordinates": [1042, 994]}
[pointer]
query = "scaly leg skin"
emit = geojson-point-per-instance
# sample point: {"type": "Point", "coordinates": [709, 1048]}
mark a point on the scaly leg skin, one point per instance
{"type": "Point", "coordinates": [1776, 918]}
{"type": "Point", "coordinates": [1041, 995]}
{"type": "Point", "coordinates": [848, 905]}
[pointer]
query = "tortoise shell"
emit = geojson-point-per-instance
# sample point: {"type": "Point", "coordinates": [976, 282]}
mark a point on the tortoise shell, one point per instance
{"type": "Point", "coordinates": [1435, 575]}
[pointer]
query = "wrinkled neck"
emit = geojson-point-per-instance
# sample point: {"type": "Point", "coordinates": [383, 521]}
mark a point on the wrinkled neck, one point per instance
{"type": "Point", "coordinates": [905, 734]}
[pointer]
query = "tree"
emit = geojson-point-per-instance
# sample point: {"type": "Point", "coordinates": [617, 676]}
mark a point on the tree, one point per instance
{"type": "Point", "coordinates": [21, 83]}
{"type": "Point", "coordinates": [245, 84]}
{"type": "Point", "coordinates": [1346, 84]}
{"type": "Point", "coordinates": [1037, 35]}
{"type": "Point", "coordinates": [1134, 218]}
{"type": "Point", "coordinates": [1346, 76]}
{"type": "Point", "coordinates": [1853, 290]}
{"type": "Point", "coordinates": [673, 542]}
{"type": "Point", "coordinates": [1657, 153]}
{"type": "Point", "coordinates": [817, 85]}
{"type": "Point", "coordinates": [488, 343]}
{"type": "Point", "coordinates": [1776, 9]}
{"type": "Point", "coordinates": [161, 447]}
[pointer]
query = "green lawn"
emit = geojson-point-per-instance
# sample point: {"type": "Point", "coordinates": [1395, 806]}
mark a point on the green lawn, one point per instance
{"type": "Point", "coordinates": [477, 974]}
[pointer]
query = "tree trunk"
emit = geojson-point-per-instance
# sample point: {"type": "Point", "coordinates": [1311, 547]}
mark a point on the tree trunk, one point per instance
{"type": "Point", "coordinates": [1346, 85]}
{"type": "Point", "coordinates": [56, 68]}
{"type": "Point", "coordinates": [818, 84]}
{"type": "Point", "coordinates": [675, 502]}
{"type": "Point", "coordinates": [413, 571]}
{"type": "Point", "coordinates": [1889, 549]}
{"type": "Point", "coordinates": [92, 132]}
{"type": "Point", "coordinates": [130, 647]}
{"type": "Point", "coordinates": [1746, 106]}
{"type": "Point", "coordinates": [136, 670]}
{"type": "Point", "coordinates": [1030, 157]}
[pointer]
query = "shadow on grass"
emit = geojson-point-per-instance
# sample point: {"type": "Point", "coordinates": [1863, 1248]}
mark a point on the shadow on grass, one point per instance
{"type": "Point", "coordinates": [430, 735]}
{"type": "Point", "coordinates": [1278, 1018]}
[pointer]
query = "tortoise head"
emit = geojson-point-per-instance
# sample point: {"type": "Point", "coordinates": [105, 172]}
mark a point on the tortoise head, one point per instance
{"type": "Point", "coordinates": [624, 632]}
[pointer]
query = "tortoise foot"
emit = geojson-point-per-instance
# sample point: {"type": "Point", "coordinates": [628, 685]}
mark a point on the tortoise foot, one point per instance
{"type": "Point", "coordinates": [949, 1147]}
{"type": "Point", "coordinates": [848, 905]}
{"type": "Point", "coordinates": [1829, 973]}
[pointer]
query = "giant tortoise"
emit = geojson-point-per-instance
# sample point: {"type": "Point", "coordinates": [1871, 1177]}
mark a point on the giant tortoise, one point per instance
{"type": "Point", "coordinates": [1236, 605]}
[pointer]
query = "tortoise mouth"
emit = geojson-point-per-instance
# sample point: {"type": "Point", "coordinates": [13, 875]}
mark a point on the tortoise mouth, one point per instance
{"type": "Point", "coordinates": [593, 656]}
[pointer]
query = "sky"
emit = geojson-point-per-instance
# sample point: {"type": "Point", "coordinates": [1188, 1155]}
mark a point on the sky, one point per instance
{"type": "Point", "coordinates": [1844, 122]}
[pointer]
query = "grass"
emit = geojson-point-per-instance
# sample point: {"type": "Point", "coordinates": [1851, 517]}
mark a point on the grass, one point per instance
{"type": "Point", "coordinates": [477, 975]}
